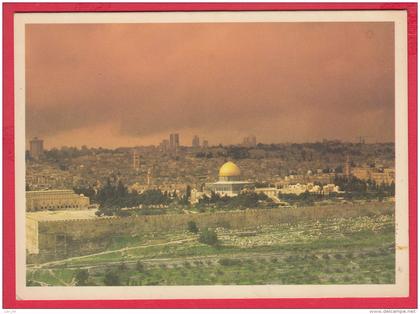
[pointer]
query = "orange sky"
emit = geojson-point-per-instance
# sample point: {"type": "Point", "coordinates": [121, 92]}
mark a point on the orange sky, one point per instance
{"type": "Point", "coordinates": [116, 85]}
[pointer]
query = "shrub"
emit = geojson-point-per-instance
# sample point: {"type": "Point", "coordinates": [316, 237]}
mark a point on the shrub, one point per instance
{"type": "Point", "coordinates": [349, 255]}
{"type": "Point", "coordinates": [139, 266]}
{"type": "Point", "coordinates": [122, 266]}
{"type": "Point", "coordinates": [290, 258]}
{"type": "Point", "coordinates": [371, 254]}
{"type": "Point", "coordinates": [32, 283]}
{"type": "Point", "coordinates": [208, 236]}
{"type": "Point", "coordinates": [82, 276]}
{"type": "Point", "coordinates": [192, 227]}
{"type": "Point", "coordinates": [375, 280]}
{"type": "Point", "coordinates": [112, 278]}
{"type": "Point", "coordinates": [122, 213]}
{"type": "Point", "coordinates": [229, 261]}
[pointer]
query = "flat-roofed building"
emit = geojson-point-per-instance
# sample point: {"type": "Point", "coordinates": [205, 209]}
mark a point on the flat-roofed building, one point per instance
{"type": "Point", "coordinates": [55, 200]}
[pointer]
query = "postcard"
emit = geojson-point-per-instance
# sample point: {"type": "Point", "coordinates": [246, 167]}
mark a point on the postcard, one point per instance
{"type": "Point", "coordinates": [211, 155]}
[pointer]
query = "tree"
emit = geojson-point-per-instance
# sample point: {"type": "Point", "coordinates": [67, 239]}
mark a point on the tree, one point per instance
{"type": "Point", "coordinates": [188, 192]}
{"type": "Point", "coordinates": [185, 199]}
{"type": "Point", "coordinates": [112, 278]}
{"type": "Point", "coordinates": [192, 227]}
{"type": "Point", "coordinates": [121, 189]}
{"type": "Point", "coordinates": [208, 236]}
{"type": "Point", "coordinates": [82, 276]}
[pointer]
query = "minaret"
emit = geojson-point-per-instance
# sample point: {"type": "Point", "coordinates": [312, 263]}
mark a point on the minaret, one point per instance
{"type": "Point", "coordinates": [347, 167]}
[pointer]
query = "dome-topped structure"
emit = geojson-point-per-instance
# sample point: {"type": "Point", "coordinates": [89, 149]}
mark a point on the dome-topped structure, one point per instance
{"type": "Point", "coordinates": [229, 171]}
{"type": "Point", "coordinates": [230, 183]}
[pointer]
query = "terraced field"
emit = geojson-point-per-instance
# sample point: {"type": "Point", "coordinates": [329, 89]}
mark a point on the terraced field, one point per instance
{"type": "Point", "coordinates": [358, 250]}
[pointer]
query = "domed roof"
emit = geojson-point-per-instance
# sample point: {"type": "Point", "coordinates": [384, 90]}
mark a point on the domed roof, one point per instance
{"type": "Point", "coordinates": [229, 169]}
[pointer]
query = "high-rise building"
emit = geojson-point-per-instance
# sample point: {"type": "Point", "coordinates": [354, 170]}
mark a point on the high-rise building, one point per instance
{"type": "Point", "coordinates": [196, 141]}
{"type": "Point", "coordinates": [36, 148]}
{"type": "Point", "coordinates": [164, 145]}
{"type": "Point", "coordinates": [250, 141]}
{"type": "Point", "coordinates": [173, 141]}
{"type": "Point", "coordinates": [205, 143]}
{"type": "Point", "coordinates": [136, 160]}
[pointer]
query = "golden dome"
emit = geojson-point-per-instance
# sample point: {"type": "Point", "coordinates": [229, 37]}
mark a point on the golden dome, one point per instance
{"type": "Point", "coordinates": [229, 169]}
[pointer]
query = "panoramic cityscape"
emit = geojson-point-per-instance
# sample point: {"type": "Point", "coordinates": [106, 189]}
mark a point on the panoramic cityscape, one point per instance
{"type": "Point", "coordinates": [233, 209]}
{"type": "Point", "coordinates": [220, 156]}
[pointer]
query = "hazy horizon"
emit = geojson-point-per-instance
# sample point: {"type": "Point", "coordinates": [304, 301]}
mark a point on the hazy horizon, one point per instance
{"type": "Point", "coordinates": [125, 85]}
{"type": "Point", "coordinates": [211, 145]}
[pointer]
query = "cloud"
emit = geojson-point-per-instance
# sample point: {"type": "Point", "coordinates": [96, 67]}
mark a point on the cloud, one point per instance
{"type": "Point", "coordinates": [280, 81]}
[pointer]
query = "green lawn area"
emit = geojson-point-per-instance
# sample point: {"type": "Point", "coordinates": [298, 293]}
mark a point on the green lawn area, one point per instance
{"type": "Point", "coordinates": [358, 250]}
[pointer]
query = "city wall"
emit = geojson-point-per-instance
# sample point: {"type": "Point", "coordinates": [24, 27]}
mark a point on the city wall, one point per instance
{"type": "Point", "coordinates": [56, 239]}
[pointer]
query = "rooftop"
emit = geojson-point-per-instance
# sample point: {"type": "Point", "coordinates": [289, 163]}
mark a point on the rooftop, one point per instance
{"type": "Point", "coordinates": [61, 215]}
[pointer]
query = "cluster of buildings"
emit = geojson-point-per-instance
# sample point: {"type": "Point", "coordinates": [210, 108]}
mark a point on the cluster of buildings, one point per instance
{"type": "Point", "coordinates": [230, 184]}
{"type": "Point", "coordinates": [41, 176]}
{"type": "Point", "coordinates": [377, 174]}
{"type": "Point", "coordinates": [195, 143]}
{"type": "Point", "coordinates": [250, 141]}
{"type": "Point", "coordinates": [172, 144]}
{"type": "Point", "coordinates": [299, 188]}
{"type": "Point", "coordinates": [283, 167]}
